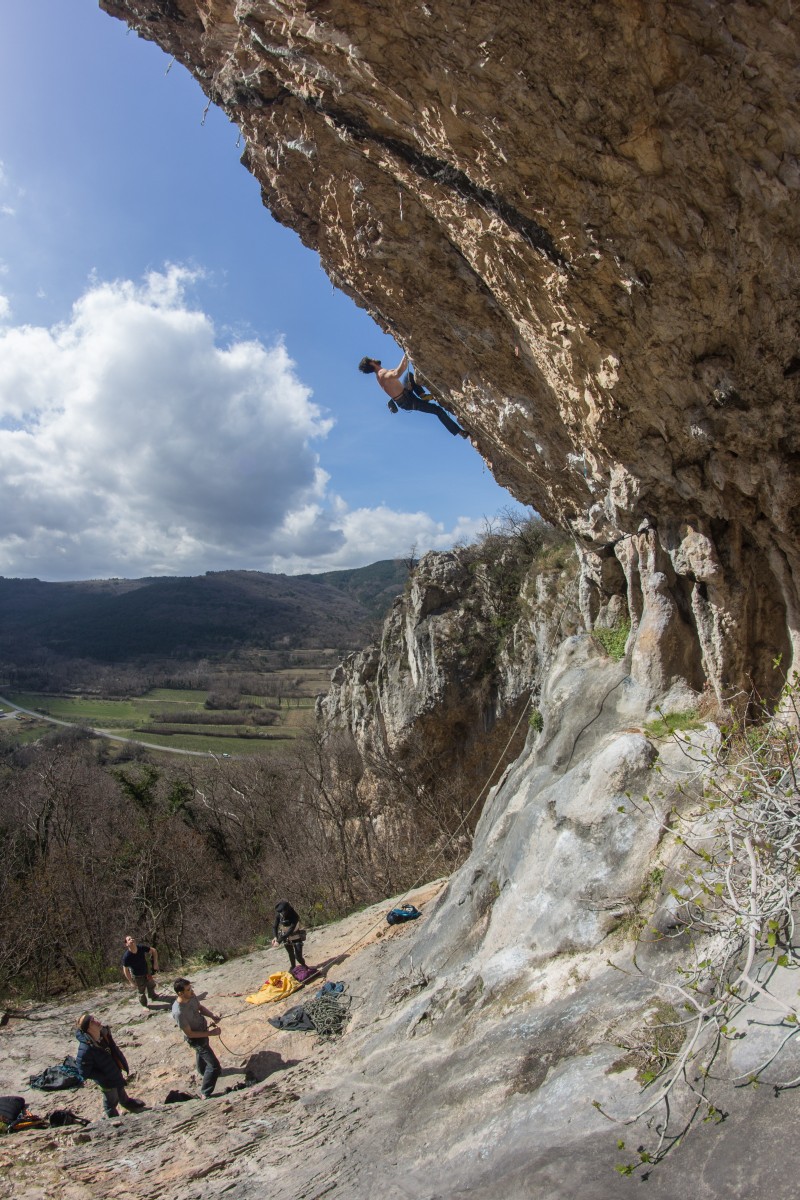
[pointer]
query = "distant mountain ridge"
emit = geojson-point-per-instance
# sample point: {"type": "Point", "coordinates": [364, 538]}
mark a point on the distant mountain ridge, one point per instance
{"type": "Point", "coordinates": [121, 620]}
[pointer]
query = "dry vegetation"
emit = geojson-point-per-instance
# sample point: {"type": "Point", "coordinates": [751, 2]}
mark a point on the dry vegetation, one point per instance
{"type": "Point", "coordinates": [192, 857]}
{"type": "Point", "coordinates": [192, 854]}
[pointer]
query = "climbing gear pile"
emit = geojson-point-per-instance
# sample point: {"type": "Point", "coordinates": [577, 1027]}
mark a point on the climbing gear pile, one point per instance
{"type": "Point", "coordinates": [329, 1014]}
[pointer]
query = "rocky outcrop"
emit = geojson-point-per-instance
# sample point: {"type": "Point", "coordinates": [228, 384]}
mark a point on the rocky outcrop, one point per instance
{"type": "Point", "coordinates": [462, 652]}
{"type": "Point", "coordinates": [581, 220]}
{"type": "Point", "coordinates": [482, 1037]}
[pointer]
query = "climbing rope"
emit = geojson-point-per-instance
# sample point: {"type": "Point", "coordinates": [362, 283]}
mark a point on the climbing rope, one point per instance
{"type": "Point", "coordinates": [328, 1014]}
{"type": "Point", "coordinates": [237, 1053]}
{"type": "Point", "coordinates": [333, 1023]}
{"type": "Point", "coordinates": [456, 832]}
{"type": "Point", "coordinates": [328, 1009]}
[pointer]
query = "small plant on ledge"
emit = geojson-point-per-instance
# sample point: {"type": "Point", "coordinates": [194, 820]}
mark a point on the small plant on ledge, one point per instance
{"type": "Point", "coordinates": [614, 640]}
{"type": "Point", "coordinates": [665, 724]}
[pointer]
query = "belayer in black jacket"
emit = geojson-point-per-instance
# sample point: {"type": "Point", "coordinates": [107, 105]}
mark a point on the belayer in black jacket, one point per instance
{"type": "Point", "coordinates": [100, 1058]}
{"type": "Point", "coordinates": [288, 932]}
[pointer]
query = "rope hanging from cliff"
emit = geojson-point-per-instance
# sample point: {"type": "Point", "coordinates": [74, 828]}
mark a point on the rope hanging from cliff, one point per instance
{"type": "Point", "coordinates": [426, 873]}
{"type": "Point", "coordinates": [456, 832]}
{"type": "Point", "coordinates": [241, 1054]}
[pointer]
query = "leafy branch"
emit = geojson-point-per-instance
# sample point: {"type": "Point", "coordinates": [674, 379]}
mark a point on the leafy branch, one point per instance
{"type": "Point", "coordinates": [736, 898]}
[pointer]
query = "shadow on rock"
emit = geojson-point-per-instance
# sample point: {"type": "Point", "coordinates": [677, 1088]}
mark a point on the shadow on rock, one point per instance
{"type": "Point", "coordinates": [323, 967]}
{"type": "Point", "coordinates": [265, 1063]}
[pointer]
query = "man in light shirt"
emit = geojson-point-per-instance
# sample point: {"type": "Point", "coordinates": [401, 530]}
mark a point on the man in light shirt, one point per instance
{"type": "Point", "coordinates": [190, 1016]}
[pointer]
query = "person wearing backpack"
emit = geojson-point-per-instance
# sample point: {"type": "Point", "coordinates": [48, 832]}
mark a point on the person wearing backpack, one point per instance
{"type": "Point", "coordinates": [100, 1058]}
{"type": "Point", "coordinates": [288, 932]}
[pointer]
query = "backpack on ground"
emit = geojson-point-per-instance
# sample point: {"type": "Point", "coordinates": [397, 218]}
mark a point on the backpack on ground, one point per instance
{"type": "Point", "coordinates": [65, 1116]}
{"type": "Point", "coordinates": [16, 1116]}
{"type": "Point", "coordinates": [11, 1108]}
{"type": "Point", "coordinates": [54, 1079]}
{"type": "Point", "coordinates": [301, 974]}
{"type": "Point", "coordinates": [405, 912]}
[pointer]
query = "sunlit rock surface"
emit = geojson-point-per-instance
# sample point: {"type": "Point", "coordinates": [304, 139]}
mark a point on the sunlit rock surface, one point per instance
{"type": "Point", "coordinates": [461, 654]}
{"type": "Point", "coordinates": [582, 221]}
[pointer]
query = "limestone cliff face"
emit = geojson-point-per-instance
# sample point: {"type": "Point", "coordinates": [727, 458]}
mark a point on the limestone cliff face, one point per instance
{"type": "Point", "coordinates": [462, 651]}
{"type": "Point", "coordinates": [581, 219]}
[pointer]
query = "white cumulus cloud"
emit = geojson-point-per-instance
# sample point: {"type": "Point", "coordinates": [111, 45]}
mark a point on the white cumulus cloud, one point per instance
{"type": "Point", "coordinates": [370, 534]}
{"type": "Point", "coordinates": [133, 443]}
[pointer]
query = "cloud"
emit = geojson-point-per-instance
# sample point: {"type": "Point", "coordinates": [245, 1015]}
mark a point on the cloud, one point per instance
{"type": "Point", "coordinates": [5, 308]}
{"type": "Point", "coordinates": [133, 443]}
{"type": "Point", "coordinates": [370, 534]}
{"type": "Point", "coordinates": [5, 209]}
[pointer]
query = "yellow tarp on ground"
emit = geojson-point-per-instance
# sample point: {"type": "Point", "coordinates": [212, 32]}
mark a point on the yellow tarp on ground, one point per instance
{"type": "Point", "coordinates": [275, 988]}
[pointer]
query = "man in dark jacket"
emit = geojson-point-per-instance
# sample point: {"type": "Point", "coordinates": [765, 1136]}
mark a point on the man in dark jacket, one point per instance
{"type": "Point", "coordinates": [100, 1058]}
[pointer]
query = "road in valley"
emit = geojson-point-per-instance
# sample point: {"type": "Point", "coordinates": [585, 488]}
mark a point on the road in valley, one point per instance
{"type": "Point", "coordinates": [114, 737]}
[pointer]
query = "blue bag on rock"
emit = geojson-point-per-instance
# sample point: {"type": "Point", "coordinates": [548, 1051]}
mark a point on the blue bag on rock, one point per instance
{"type": "Point", "coordinates": [405, 912]}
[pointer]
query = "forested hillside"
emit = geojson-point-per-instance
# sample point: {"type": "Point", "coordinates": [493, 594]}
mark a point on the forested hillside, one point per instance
{"type": "Point", "coordinates": [93, 843]}
{"type": "Point", "coordinates": [122, 620]}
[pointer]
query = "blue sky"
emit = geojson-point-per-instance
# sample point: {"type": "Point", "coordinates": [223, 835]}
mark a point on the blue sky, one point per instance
{"type": "Point", "coordinates": [178, 383]}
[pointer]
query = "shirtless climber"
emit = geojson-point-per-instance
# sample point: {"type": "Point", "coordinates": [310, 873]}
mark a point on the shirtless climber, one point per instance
{"type": "Point", "coordinates": [404, 392]}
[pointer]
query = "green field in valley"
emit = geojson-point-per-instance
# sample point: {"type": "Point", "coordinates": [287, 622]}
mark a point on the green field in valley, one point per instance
{"type": "Point", "coordinates": [245, 728]}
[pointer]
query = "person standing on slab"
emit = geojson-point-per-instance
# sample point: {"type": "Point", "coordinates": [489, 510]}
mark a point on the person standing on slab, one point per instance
{"type": "Point", "coordinates": [139, 965]}
{"type": "Point", "coordinates": [100, 1058]}
{"type": "Point", "coordinates": [190, 1017]}
{"type": "Point", "coordinates": [287, 931]}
